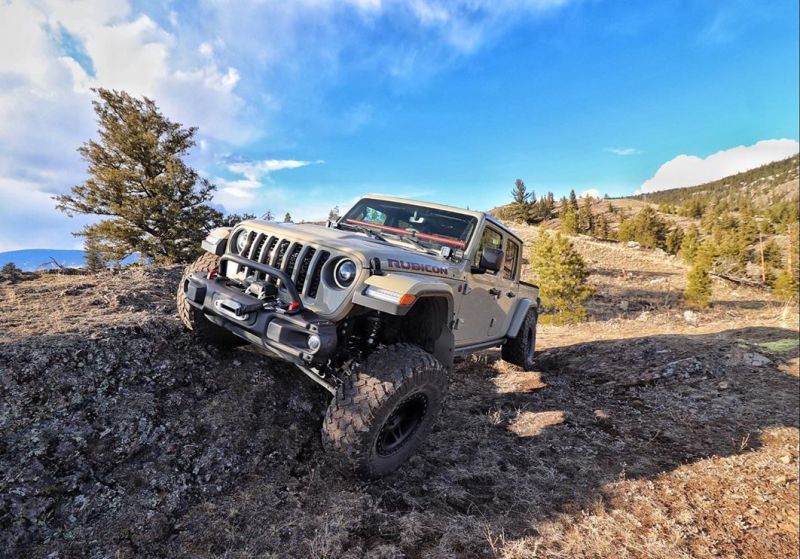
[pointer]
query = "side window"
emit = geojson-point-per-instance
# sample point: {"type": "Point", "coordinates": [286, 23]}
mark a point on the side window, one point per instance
{"type": "Point", "coordinates": [489, 239]}
{"type": "Point", "coordinates": [510, 260]}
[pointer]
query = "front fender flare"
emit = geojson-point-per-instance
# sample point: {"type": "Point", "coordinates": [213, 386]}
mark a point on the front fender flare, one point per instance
{"type": "Point", "coordinates": [401, 284]}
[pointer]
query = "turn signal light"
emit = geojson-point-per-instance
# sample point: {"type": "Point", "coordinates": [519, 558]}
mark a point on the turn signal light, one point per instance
{"type": "Point", "coordinates": [407, 299]}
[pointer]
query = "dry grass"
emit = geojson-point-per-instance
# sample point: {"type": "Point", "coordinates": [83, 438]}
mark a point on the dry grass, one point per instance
{"type": "Point", "coordinates": [564, 461]}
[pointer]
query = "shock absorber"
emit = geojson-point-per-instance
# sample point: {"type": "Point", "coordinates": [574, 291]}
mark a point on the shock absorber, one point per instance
{"type": "Point", "coordinates": [372, 330]}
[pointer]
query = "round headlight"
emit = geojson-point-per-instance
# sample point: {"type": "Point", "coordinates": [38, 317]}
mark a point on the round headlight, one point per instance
{"type": "Point", "coordinates": [241, 241]}
{"type": "Point", "coordinates": [344, 273]}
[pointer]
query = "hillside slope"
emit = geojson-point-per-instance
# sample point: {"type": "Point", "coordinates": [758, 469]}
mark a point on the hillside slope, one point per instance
{"type": "Point", "coordinates": [639, 434]}
{"type": "Point", "coordinates": [765, 185]}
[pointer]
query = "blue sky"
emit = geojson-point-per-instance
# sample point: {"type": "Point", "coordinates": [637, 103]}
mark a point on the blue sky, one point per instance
{"type": "Point", "coordinates": [305, 105]}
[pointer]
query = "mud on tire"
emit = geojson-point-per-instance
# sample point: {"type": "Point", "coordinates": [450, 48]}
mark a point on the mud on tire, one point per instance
{"type": "Point", "coordinates": [195, 320]}
{"type": "Point", "coordinates": [382, 412]}
{"type": "Point", "coordinates": [519, 351]}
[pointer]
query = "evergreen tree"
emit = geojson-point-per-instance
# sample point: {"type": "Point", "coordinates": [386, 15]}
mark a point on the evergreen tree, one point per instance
{"type": "Point", "coordinates": [230, 220]}
{"type": "Point", "coordinates": [573, 200]}
{"type": "Point", "coordinates": [287, 218]}
{"type": "Point", "coordinates": [787, 283]}
{"type": "Point", "coordinates": [268, 216]}
{"type": "Point", "coordinates": [674, 240]}
{"type": "Point", "coordinates": [601, 228]}
{"type": "Point", "coordinates": [522, 202]}
{"type": "Point", "coordinates": [690, 244]}
{"type": "Point", "coordinates": [585, 216]}
{"type": "Point", "coordinates": [569, 220]}
{"type": "Point", "coordinates": [333, 215]}
{"type": "Point", "coordinates": [646, 228]}
{"type": "Point", "coordinates": [562, 275]}
{"type": "Point", "coordinates": [95, 260]}
{"type": "Point", "coordinates": [151, 201]}
{"type": "Point", "coordinates": [10, 272]}
{"type": "Point", "coordinates": [698, 280]}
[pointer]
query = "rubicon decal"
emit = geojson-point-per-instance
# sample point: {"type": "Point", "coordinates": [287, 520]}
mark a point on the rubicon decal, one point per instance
{"type": "Point", "coordinates": [416, 267]}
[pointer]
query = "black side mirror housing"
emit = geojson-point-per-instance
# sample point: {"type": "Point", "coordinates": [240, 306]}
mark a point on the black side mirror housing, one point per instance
{"type": "Point", "coordinates": [491, 259]}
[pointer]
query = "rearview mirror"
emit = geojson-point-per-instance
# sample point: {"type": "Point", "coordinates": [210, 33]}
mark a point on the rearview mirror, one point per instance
{"type": "Point", "coordinates": [491, 259]}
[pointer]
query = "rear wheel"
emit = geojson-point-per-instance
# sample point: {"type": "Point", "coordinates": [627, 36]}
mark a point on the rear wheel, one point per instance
{"type": "Point", "coordinates": [194, 319]}
{"type": "Point", "coordinates": [382, 412]}
{"type": "Point", "coordinates": [519, 351]}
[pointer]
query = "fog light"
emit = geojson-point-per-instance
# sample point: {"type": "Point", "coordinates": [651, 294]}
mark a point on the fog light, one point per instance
{"type": "Point", "coordinates": [314, 343]}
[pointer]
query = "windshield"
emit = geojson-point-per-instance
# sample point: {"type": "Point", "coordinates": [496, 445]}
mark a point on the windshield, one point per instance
{"type": "Point", "coordinates": [428, 228]}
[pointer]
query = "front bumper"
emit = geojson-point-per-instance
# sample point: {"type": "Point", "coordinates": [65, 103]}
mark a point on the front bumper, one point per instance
{"type": "Point", "coordinates": [300, 337]}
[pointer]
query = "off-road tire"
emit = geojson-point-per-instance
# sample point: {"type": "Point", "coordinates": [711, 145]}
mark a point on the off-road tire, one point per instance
{"type": "Point", "coordinates": [519, 351]}
{"type": "Point", "coordinates": [358, 422]}
{"type": "Point", "coordinates": [195, 320]}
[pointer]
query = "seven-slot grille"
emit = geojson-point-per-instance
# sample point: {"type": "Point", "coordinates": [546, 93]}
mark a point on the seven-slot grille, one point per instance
{"type": "Point", "coordinates": [303, 263]}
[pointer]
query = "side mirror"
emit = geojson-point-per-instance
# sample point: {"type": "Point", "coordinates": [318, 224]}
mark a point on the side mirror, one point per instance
{"type": "Point", "coordinates": [491, 259]}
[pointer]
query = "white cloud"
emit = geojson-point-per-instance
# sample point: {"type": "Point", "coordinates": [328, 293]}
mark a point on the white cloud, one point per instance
{"type": "Point", "coordinates": [256, 170]}
{"type": "Point", "coordinates": [590, 193]}
{"type": "Point", "coordinates": [690, 170]}
{"type": "Point", "coordinates": [623, 151]}
{"type": "Point", "coordinates": [216, 69]}
{"type": "Point", "coordinates": [242, 194]}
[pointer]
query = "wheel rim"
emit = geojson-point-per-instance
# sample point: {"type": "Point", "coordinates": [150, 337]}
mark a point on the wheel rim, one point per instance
{"type": "Point", "coordinates": [401, 424]}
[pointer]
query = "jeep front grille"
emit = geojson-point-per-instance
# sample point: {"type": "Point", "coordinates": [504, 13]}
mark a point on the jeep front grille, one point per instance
{"type": "Point", "coordinates": [302, 262]}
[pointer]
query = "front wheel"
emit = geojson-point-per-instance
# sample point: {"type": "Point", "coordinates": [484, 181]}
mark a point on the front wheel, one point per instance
{"type": "Point", "coordinates": [383, 411]}
{"type": "Point", "coordinates": [193, 318]}
{"type": "Point", "coordinates": [519, 351]}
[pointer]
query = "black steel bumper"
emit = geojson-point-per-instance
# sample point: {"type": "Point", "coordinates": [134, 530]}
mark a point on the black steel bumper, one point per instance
{"type": "Point", "coordinates": [289, 331]}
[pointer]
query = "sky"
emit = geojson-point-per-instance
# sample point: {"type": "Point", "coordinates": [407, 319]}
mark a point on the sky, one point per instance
{"type": "Point", "coordinates": [308, 104]}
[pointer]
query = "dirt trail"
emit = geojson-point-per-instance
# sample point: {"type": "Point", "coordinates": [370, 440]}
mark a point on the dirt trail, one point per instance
{"type": "Point", "coordinates": [121, 436]}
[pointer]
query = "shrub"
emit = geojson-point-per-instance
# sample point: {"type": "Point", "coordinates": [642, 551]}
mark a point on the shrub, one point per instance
{"type": "Point", "coordinates": [698, 287]}
{"type": "Point", "coordinates": [569, 220]}
{"type": "Point", "coordinates": [561, 274]}
{"type": "Point", "coordinates": [10, 272]}
{"type": "Point", "coordinates": [690, 244]}
{"type": "Point", "coordinates": [674, 240]}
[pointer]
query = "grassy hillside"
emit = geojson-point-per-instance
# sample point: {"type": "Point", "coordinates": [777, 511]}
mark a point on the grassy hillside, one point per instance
{"type": "Point", "coordinates": [772, 183]}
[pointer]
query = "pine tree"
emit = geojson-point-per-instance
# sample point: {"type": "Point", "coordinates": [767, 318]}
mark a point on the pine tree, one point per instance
{"type": "Point", "coordinates": [674, 240]}
{"type": "Point", "coordinates": [93, 251]}
{"type": "Point", "coordinates": [698, 280]}
{"type": "Point", "coordinates": [585, 216]}
{"type": "Point", "coordinates": [522, 201]}
{"type": "Point", "coordinates": [601, 228]}
{"type": "Point", "coordinates": [10, 272]}
{"type": "Point", "coordinates": [690, 244]}
{"type": "Point", "coordinates": [573, 200]}
{"type": "Point", "coordinates": [562, 276]}
{"type": "Point", "coordinates": [569, 220]}
{"type": "Point", "coordinates": [287, 218]}
{"type": "Point", "coordinates": [268, 216]}
{"type": "Point", "coordinates": [787, 283]}
{"type": "Point", "coordinates": [151, 201]}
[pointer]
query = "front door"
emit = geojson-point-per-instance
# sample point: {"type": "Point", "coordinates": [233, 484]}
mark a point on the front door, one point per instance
{"type": "Point", "coordinates": [484, 312]}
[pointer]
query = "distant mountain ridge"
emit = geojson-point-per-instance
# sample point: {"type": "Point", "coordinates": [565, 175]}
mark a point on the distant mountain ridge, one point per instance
{"type": "Point", "coordinates": [773, 183]}
{"type": "Point", "coordinates": [33, 259]}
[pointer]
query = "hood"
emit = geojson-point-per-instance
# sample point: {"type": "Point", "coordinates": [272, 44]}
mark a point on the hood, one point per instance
{"type": "Point", "coordinates": [393, 257]}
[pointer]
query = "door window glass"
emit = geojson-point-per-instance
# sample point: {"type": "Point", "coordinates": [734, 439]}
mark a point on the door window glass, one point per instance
{"type": "Point", "coordinates": [489, 239]}
{"type": "Point", "coordinates": [510, 260]}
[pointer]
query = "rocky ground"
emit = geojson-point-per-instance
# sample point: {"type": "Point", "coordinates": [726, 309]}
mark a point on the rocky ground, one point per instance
{"type": "Point", "coordinates": [643, 433]}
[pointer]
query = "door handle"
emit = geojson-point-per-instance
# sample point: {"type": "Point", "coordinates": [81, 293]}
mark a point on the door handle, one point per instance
{"type": "Point", "coordinates": [495, 292]}
{"type": "Point", "coordinates": [511, 294]}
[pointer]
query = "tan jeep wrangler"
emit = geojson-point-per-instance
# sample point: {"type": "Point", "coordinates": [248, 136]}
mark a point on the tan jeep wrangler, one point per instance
{"type": "Point", "coordinates": [375, 308]}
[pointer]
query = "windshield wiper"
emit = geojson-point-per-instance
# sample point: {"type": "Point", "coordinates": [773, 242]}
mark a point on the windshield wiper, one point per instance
{"type": "Point", "coordinates": [366, 230]}
{"type": "Point", "coordinates": [411, 238]}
